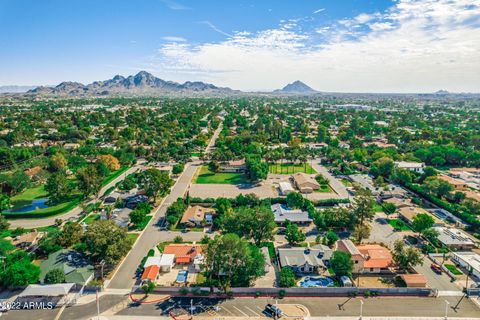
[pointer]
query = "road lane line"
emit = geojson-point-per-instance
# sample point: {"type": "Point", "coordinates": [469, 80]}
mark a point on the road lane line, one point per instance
{"type": "Point", "coordinates": [230, 312]}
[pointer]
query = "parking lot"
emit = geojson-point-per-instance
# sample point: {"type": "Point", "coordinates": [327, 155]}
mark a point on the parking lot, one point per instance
{"type": "Point", "coordinates": [253, 308]}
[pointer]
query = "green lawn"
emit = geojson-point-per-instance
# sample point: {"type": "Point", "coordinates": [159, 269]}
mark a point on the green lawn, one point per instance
{"type": "Point", "coordinates": [133, 236]}
{"type": "Point", "coordinates": [377, 207]}
{"type": "Point", "coordinates": [453, 269]}
{"type": "Point", "coordinates": [208, 177]}
{"type": "Point", "coordinates": [324, 188]}
{"type": "Point", "coordinates": [114, 175]}
{"type": "Point", "coordinates": [398, 224]}
{"type": "Point", "coordinates": [346, 183]}
{"type": "Point", "coordinates": [30, 194]}
{"type": "Point", "coordinates": [91, 218]}
{"type": "Point", "coordinates": [289, 168]}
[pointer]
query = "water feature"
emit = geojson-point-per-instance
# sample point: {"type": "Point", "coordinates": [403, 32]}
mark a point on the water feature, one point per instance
{"type": "Point", "coordinates": [310, 282]}
{"type": "Point", "coordinates": [32, 206]}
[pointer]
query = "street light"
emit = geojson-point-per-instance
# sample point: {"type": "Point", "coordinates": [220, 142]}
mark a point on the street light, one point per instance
{"type": "Point", "coordinates": [361, 309]}
{"type": "Point", "coordinates": [446, 309]}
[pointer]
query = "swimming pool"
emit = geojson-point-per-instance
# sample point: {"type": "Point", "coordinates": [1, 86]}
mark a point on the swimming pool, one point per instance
{"type": "Point", "coordinates": [310, 282]}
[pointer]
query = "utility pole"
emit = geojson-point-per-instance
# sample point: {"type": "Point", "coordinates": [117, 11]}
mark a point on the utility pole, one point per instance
{"type": "Point", "coordinates": [361, 309]}
{"type": "Point", "coordinates": [446, 309]}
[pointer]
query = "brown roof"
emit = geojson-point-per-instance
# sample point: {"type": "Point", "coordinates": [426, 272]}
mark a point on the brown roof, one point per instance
{"type": "Point", "coordinates": [303, 178]}
{"type": "Point", "coordinates": [28, 237]}
{"type": "Point", "coordinates": [33, 171]}
{"type": "Point", "coordinates": [472, 195]}
{"type": "Point", "coordinates": [183, 252]}
{"type": "Point", "coordinates": [410, 212]}
{"type": "Point", "coordinates": [376, 256]}
{"type": "Point", "coordinates": [399, 202]}
{"type": "Point", "coordinates": [195, 213]}
{"type": "Point", "coordinates": [414, 280]}
{"type": "Point", "coordinates": [451, 180]}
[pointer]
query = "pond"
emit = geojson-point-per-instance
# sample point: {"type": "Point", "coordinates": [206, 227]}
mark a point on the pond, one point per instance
{"type": "Point", "coordinates": [27, 207]}
{"type": "Point", "coordinates": [310, 282]}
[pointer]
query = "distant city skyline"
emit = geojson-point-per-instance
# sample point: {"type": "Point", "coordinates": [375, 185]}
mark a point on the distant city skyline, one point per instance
{"type": "Point", "coordinates": [383, 46]}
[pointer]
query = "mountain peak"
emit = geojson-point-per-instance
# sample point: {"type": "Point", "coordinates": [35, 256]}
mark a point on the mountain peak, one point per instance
{"type": "Point", "coordinates": [296, 87]}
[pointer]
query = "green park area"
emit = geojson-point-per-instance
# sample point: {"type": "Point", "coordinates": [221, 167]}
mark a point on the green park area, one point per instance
{"type": "Point", "coordinates": [289, 168]}
{"type": "Point", "coordinates": [208, 177]}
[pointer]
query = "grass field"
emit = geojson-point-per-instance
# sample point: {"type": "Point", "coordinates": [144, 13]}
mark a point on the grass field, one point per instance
{"type": "Point", "coordinates": [289, 168]}
{"type": "Point", "coordinates": [91, 218]}
{"type": "Point", "coordinates": [208, 177]}
{"type": "Point", "coordinates": [398, 224]}
{"type": "Point", "coordinates": [453, 269]}
{"type": "Point", "coordinates": [114, 175]}
{"type": "Point", "coordinates": [30, 194]}
{"type": "Point", "coordinates": [133, 236]}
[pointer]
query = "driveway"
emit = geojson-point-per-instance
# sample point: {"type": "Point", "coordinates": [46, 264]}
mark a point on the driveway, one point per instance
{"type": "Point", "coordinates": [439, 281]}
{"type": "Point", "coordinates": [382, 231]}
{"type": "Point", "coordinates": [335, 184]}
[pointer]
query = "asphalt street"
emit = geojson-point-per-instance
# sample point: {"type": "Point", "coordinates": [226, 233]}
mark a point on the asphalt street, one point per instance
{"type": "Point", "coordinates": [124, 277]}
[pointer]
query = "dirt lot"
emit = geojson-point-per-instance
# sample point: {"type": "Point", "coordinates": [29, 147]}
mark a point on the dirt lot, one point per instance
{"type": "Point", "coordinates": [375, 281]}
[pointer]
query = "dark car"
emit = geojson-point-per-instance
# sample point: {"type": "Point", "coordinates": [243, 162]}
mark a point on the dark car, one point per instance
{"type": "Point", "coordinates": [273, 311]}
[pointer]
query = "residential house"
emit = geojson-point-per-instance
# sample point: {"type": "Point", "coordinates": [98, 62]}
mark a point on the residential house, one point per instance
{"type": "Point", "coordinates": [305, 183]}
{"type": "Point", "coordinates": [399, 202]}
{"type": "Point", "coordinates": [469, 261]}
{"type": "Point", "coordinates": [458, 185]}
{"type": "Point", "coordinates": [369, 258]}
{"type": "Point", "coordinates": [407, 214]}
{"type": "Point", "coordinates": [197, 216]}
{"type": "Point", "coordinates": [378, 259]}
{"type": "Point", "coordinates": [74, 264]}
{"type": "Point", "coordinates": [305, 260]}
{"type": "Point", "coordinates": [454, 238]}
{"type": "Point", "coordinates": [282, 213]}
{"type": "Point", "coordinates": [233, 166]}
{"type": "Point", "coordinates": [412, 166]}
{"type": "Point", "coordinates": [185, 253]}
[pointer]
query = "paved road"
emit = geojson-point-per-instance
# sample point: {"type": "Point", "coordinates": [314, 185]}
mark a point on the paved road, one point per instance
{"type": "Point", "coordinates": [73, 214]}
{"type": "Point", "coordinates": [336, 184]}
{"type": "Point", "coordinates": [439, 281]}
{"type": "Point", "coordinates": [383, 306]}
{"type": "Point", "coordinates": [124, 277]}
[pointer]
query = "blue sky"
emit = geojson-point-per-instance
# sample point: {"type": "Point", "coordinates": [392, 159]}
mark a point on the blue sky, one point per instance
{"type": "Point", "coordinates": [354, 46]}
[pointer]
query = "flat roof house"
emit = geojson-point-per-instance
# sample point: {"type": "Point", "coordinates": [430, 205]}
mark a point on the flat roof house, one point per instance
{"type": "Point", "coordinates": [468, 260]}
{"type": "Point", "coordinates": [196, 216]}
{"type": "Point", "coordinates": [305, 260]}
{"type": "Point", "coordinates": [454, 238]}
{"type": "Point", "coordinates": [283, 213]}
{"type": "Point", "coordinates": [458, 185]}
{"type": "Point", "coordinates": [305, 183]}
{"type": "Point", "coordinates": [412, 166]}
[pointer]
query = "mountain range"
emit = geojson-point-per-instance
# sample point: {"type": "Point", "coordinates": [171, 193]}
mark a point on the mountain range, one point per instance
{"type": "Point", "coordinates": [143, 83]}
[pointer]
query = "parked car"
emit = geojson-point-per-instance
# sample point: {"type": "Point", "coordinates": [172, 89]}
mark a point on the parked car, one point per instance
{"type": "Point", "coordinates": [436, 268]}
{"type": "Point", "coordinates": [273, 311]}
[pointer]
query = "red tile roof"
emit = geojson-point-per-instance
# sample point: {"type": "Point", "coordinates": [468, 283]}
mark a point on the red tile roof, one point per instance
{"type": "Point", "coordinates": [184, 253]}
{"type": "Point", "coordinates": [150, 273]}
{"type": "Point", "coordinates": [376, 256]}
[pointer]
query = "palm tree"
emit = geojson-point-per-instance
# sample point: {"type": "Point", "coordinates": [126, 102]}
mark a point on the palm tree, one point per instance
{"type": "Point", "coordinates": [108, 212]}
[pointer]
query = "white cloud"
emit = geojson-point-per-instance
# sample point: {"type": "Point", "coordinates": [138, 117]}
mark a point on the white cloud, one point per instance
{"type": "Point", "coordinates": [175, 5]}
{"type": "Point", "coordinates": [319, 10]}
{"type": "Point", "coordinates": [415, 46]}
{"type": "Point", "coordinates": [214, 28]}
{"type": "Point", "coordinates": [174, 39]}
